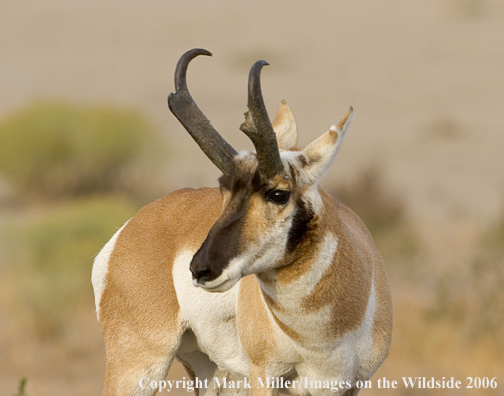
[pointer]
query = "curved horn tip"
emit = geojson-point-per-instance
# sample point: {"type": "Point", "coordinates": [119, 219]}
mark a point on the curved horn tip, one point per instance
{"type": "Point", "coordinates": [183, 63]}
{"type": "Point", "coordinates": [257, 66]}
{"type": "Point", "coordinates": [255, 99]}
{"type": "Point", "coordinates": [194, 121]}
{"type": "Point", "coordinates": [195, 52]}
{"type": "Point", "coordinates": [262, 63]}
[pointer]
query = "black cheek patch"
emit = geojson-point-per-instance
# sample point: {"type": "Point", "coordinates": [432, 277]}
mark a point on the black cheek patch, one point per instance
{"type": "Point", "coordinates": [300, 225]}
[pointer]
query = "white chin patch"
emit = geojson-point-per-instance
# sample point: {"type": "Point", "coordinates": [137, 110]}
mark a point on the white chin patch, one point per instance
{"type": "Point", "coordinates": [231, 274]}
{"type": "Point", "coordinates": [221, 284]}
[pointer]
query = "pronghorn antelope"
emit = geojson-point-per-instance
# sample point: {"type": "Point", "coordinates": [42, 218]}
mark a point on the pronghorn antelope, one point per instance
{"type": "Point", "coordinates": [300, 297]}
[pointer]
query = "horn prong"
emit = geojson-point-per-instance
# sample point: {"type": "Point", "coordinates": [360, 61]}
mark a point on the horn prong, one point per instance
{"type": "Point", "coordinates": [258, 128]}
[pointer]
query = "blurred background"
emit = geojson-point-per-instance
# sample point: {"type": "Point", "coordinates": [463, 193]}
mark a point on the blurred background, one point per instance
{"type": "Point", "coordinates": [86, 139]}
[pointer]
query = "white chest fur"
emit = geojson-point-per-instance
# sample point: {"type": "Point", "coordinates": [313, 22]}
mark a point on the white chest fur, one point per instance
{"type": "Point", "coordinates": [211, 317]}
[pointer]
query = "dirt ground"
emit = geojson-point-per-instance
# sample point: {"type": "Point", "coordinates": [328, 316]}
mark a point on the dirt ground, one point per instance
{"type": "Point", "coordinates": [425, 77]}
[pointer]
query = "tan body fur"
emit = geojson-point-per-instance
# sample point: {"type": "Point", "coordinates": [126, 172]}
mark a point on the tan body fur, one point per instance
{"type": "Point", "coordinates": [141, 318]}
{"type": "Point", "coordinates": [266, 277]}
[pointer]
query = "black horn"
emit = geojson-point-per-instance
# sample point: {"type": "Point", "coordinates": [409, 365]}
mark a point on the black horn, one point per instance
{"type": "Point", "coordinates": [194, 121]}
{"type": "Point", "coordinates": [257, 127]}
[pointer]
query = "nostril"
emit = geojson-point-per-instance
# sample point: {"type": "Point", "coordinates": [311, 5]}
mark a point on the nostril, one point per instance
{"type": "Point", "coordinates": [202, 274]}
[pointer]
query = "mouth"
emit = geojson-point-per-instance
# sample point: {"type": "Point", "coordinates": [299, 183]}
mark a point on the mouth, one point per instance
{"type": "Point", "coordinates": [218, 285]}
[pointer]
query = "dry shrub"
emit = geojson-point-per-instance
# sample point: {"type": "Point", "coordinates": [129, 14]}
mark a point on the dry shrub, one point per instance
{"type": "Point", "coordinates": [48, 256]}
{"type": "Point", "coordinates": [471, 295]}
{"type": "Point", "coordinates": [470, 9]}
{"type": "Point", "coordinates": [56, 149]}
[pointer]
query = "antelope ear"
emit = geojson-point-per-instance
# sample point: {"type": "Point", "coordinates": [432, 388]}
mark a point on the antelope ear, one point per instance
{"type": "Point", "coordinates": [284, 126]}
{"type": "Point", "coordinates": [321, 153]}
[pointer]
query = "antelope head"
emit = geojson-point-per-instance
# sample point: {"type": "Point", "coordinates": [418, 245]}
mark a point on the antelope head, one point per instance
{"type": "Point", "coordinates": [271, 201]}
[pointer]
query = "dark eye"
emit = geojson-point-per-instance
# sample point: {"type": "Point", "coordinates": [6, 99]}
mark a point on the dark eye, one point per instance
{"type": "Point", "coordinates": [279, 197]}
